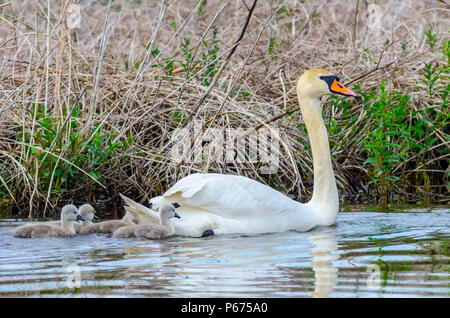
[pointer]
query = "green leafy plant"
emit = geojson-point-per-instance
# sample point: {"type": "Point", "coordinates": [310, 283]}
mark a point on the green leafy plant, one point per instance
{"type": "Point", "coordinates": [60, 156]}
{"type": "Point", "coordinates": [209, 59]}
{"type": "Point", "coordinates": [433, 117]}
{"type": "Point", "coordinates": [272, 46]}
{"type": "Point", "coordinates": [384, 144]}
{"type": "Point", "coordinates": [431, 38]}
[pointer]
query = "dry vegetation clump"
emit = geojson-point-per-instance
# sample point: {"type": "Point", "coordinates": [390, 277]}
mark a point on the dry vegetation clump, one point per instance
{"type": "Point", "coordinates": [106, 97]}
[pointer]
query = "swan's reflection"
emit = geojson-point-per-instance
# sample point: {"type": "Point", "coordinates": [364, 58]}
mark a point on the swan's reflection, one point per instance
{"type": "Point", "coordinates": [323, 252]}
{"type": "Point", "coordinates": [257, 265]}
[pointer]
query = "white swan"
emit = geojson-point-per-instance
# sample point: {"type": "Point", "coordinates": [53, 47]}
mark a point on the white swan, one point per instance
{"type": "Point", "coordinates": [149, 230]}
{"type": "Point", "coordinates": [219, 204]}
{"type": "Point", "coordinates": [69, 216]}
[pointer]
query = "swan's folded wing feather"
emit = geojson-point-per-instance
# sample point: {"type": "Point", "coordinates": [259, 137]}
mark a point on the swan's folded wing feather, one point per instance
{"type": "Point", "coordinates": [188, 187]}
{"type": "Point", "coordinates": [227, 195]}
{"type": "Point", "coordinates": [141, 213]}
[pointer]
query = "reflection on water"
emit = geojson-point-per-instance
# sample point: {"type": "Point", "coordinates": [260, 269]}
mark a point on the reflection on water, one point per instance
{"type": "Point", "coordinates": [365, 255]}
{"type": "Point", "coordinates": [323, 253]}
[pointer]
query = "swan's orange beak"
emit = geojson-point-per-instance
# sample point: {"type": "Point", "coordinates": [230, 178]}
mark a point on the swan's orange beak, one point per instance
{"type": "Point", "coordinates": [338, 88]}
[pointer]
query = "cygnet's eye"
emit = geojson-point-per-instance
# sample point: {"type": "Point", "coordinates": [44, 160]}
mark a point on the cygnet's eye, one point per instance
{"type": "Point", "coordinates": [74, 212]}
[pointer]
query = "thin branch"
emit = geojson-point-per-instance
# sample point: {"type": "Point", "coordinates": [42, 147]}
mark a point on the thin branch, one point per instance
{"type": "Point", "coordinates": [227, 59]}
{"type": "Point", "coordinates": [48, 59]}
{"type": "Point", "coordinates": [100, 56]}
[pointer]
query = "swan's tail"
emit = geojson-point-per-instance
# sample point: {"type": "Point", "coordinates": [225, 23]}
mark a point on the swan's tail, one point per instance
{"type": "Point", "coordinates": [140, 213]}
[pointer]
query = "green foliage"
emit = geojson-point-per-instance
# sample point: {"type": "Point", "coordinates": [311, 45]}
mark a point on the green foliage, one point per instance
{"type": "Point", "coordinates": [209, 59]}
{"type": "Point", "coordinates": [169, 66]}
{"type": "Point", "coordinates": [137, 64]}
{"type": "Point", "coordinates": [272, 46]}
{"type": "Point", "coordinates": [63, 158]}
{"type": "Point", "coordinates": [384, 144]}
{"type": "Point", "coordinates": [431, 38]}
{"type": "Point", "coordinates": [238, 91]}
{"type": "Point", "coordinates": [404, 139]}
{"type": "Point", "coordinates": [430, 76]}
{"type": "Point", "coordinates": [205, 60]}
{"type": "Point", "coordinates": [434, 117]}
{"type": "Point", "coordinates": [173, 25]}
{"type": "Point", "coordinates": [187, 64]}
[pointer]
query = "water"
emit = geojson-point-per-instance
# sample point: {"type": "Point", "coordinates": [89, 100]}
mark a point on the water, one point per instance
{"type": "Point", "coordinates": [367, 254]}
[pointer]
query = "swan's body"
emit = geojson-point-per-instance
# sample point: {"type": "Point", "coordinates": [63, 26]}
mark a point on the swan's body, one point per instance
{"type": "Point", "coordinates": [87, 212]}
{"type": "Point", "coordinates": [149, 230]}
{"type": "Point", "coordinates": [108, 226]}
{"type": "Point", "coordinates": [69, 216]}
{"type": "Point", "coordinates": [236, 204]}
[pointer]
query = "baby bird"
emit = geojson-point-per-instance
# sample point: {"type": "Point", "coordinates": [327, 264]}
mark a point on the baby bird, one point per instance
{"type": "Point", "coordinates": [69, 216]}
{"type": "Point", "coordinates": [152, 231]}
{"type": "Point", "coordinates": [86, 211]}
{"type": "Point", "coordinates": [108, 226]}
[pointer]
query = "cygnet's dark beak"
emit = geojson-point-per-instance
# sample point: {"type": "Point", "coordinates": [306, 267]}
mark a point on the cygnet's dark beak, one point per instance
{"type": "Point", "coordinates": [177, 216]}
{"type": "Point", "coordinates": [96, 217]}
{"type": "Point", "coordinates": [79, 217]}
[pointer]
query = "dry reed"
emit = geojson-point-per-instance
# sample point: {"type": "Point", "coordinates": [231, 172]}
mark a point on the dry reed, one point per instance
{"type": "Point", "coordinates": [120, 54]}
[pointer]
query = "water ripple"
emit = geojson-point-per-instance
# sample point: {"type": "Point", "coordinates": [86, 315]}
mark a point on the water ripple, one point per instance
{"type": "Point", "coordinates": [364, 255]}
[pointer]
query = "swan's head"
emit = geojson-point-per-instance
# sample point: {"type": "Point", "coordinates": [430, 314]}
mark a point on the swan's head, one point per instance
{"type": "Point", "coordinates": [69, 213]}
{"type": "Point", "coordinates": [88, 212]}
{"type": "Point", "coordinates": [318, 82]}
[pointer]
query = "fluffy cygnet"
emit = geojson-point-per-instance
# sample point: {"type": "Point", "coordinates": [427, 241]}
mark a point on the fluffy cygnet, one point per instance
{"type": "Point", "coordinates": [69, 216]}
{"type": "Point", "coordinates": [87, 212]}
{"type": "Point", "coordinates": [152, 231]}
{"type": "Point", "coordinates": [108, 226]}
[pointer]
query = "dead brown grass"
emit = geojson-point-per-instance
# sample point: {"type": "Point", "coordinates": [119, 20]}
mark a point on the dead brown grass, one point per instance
{"type": "Point", "coordinates": [146, 103]}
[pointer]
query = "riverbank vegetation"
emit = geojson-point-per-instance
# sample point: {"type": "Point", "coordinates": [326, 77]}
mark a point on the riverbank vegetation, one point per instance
{"type": "Point", "coordinates": [92, 96]}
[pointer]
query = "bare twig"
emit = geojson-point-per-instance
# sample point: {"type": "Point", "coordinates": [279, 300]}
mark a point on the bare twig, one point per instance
{"type": "Point", "coordinates": [100, 56]}
{"type": "Point", "coordinates": [227, 59]}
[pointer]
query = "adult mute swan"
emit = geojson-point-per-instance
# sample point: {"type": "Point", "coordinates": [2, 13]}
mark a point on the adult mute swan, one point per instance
{"type": "Point", "coordinates": [69, 216]}
{"type": "Point", "coordinates": [221, 204]}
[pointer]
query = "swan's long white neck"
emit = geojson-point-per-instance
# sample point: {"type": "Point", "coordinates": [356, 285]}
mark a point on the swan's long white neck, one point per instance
{"type": "Point", "coordinates": [325, 200]}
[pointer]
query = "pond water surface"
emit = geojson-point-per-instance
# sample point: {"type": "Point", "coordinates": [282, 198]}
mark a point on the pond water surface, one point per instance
{"type": "Point", "coordinates": [366, 254]}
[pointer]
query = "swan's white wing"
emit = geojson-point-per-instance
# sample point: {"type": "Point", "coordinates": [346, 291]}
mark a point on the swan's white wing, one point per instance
{"type": "Point", "coordinates": [141, 213]}
{"type": "Point", "coordinates": [189, 186]}
{"type": "Point", "coordinates": [225, 204]}
{"type": "Point", "coordinates": [229, 196]}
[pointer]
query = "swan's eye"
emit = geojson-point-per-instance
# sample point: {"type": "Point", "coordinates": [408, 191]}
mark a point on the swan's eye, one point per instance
{"type": "Point", "coordinates": [74, 212]}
